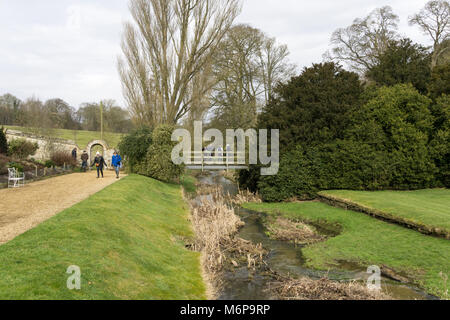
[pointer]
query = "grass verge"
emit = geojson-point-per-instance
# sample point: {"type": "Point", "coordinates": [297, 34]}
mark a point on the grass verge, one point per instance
{"type": "Point", "coordinates": [426, 210]}
{"type": "Point", "coordinates": [369, 241]}
{"type": "Point", "coordinates": [126, 239]}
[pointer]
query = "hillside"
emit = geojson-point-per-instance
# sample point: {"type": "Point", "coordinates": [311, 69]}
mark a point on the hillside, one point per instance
{"type": "Point", "coordinates": [81, 137]}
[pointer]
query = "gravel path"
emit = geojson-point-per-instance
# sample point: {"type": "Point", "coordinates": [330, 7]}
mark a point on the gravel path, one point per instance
{"type": "Point", "coordinates": [24, 208]}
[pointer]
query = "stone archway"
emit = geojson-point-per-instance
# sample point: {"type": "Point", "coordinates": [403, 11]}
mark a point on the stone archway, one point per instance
{"type": "Point", "coordinates": [94, 143]}
{"type": "Point", "coordinates": [107, 152]}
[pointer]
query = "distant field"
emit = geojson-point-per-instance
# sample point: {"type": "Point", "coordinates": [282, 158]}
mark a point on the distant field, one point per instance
{"type": "Point", "coordinates": [429, 207]}
{"type": "Point", "coordinates": [81, 137]}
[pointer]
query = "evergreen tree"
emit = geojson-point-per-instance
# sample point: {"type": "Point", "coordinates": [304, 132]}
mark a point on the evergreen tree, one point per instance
{"type": "Point", "coordinates": [403, 62]}
{"type": "Point", "coordinates": [3, 142]}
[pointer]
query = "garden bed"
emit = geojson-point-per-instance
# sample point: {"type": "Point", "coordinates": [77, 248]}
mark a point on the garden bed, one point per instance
{"type": "Point", "coordinates": [34, 171]}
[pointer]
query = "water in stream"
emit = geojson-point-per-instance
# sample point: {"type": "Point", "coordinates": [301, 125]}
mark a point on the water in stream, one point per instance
{"type": "Point", "coordinates": [286, 258]}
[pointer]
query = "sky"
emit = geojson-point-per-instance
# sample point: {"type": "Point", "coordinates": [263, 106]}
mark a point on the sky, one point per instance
{"type": "Point", "coordinates": [68, 49]}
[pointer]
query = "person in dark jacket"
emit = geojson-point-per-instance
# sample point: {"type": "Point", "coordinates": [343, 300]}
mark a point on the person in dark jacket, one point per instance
{"type": "Point", "coordinates": [116, 163]}
{"type": "Point", "coordinates": [99, 162]}
{"type": "Point", "coordinates": [84, 161]}
{"type": "Point", "coordinates": [74, 154]}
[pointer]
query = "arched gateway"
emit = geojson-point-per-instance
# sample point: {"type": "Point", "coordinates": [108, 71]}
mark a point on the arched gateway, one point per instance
{"type": "Point", "coordinates": [107, 152]}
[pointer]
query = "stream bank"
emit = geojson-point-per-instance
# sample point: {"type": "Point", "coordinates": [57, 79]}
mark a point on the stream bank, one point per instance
{"type": "Point", "coordinates": [284, 261]}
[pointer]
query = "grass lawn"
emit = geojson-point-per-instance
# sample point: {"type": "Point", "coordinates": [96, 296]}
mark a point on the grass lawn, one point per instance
{"type": "Point", "coordinates": [189, 184]}
{"type": "Point", "coordinates": [81, 137]}
{"type": "Point", "coordinates": [126, 239]}
{"type": "Point", "coordinates": [368, 241]}
{"type": "Point", "coordinates": [429, 207]}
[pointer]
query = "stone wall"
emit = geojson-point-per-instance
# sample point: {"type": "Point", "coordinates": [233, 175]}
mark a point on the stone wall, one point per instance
{"type": "Point", "coordinates": [46, 145]}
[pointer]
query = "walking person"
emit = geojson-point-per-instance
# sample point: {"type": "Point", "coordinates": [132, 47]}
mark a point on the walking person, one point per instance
{"type": "Point", "coordinates": [116, 163]}
{"type": "Point", "coordinates": [84, 161]}
{"type": "Point", "coordinates": [99, 162]}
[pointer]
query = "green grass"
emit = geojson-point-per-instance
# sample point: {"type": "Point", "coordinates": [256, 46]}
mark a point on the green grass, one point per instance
{"type": "Point", "coordinates": [81, 137]}
{"type": "Point", "coordinates": [368, 241]}
{"type": "Point", "coordinates": [127, 240]}
{"type": "Point", "coordinates": [429, 207]}
{"type": "Point", "coordinates": [188, 182]}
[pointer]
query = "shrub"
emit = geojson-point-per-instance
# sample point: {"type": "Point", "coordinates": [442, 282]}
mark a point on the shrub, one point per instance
{"type": "Point", "coordinates": [134, 146]}
{"type": "Point", "coordinates": [49, 164]}
{"type": "Point", "coordinates": [16, 165]}
{"type": "Point", "coordinates": [388, 147]}
{"type": "Point", "coordinates": [61, 158]}
{"type": "Point", "coordinates": [3, 164]}
{"type": "Point", "coordinates": [158, 162]}
{"type": "Point", "coordinates": [440, 144]}
{"type": "Point", "coordinates": [295, 178]}
{"type": "Point", "coordinates": [21, 148]}
{"type": "Point", "coordinates": [3, 142]}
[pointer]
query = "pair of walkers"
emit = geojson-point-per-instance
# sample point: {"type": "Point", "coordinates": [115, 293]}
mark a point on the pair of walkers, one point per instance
{"type": "Point", "coordinates": [99, 162]}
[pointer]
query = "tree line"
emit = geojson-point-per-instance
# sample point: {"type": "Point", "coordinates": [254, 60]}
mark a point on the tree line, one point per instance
{"type": "Point", "coordinates": [382, 124]}
{"type": "Point", "coordinates": [187, 60]}
{"type": "Point", "coordinates": [373, 114]}
{"type": "Point", "coordinates": [58, 114]}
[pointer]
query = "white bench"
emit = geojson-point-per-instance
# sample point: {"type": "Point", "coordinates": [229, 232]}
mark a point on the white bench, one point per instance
{"type": "Point", "coordinates": [15, 178]}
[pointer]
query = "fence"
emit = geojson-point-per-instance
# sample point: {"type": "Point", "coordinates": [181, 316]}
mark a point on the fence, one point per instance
{"type": "Point", "coordinates": [218, 160]}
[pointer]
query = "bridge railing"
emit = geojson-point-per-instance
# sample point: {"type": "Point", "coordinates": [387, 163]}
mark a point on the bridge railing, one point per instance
{"type": "Point", "coordinates": [216, 160]}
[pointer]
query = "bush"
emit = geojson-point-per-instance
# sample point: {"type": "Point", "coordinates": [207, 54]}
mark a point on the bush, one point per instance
{"type": "Point", "coordinates": [348, 165]}
{"type": "Point", "coordinates": [61, 158]}
{"type": "Point", "coordinates": [158, 162]}
{"type": "Point", "coordinates": [440, 144]}
{"type": "Point", "coordinates": [49, 164]}
{"type": "Point", "coordinates": [16, 165]}
{"type": "Point", "coordinates": [3, 164]}
{"type": "Point", "coordinates": [134, 146]}
{"type": "Point", "coordinates": [3, 142]}
{"type": "Point", "coordinates": [21, 148]}
{"type": "Point", "coordinates": [387, 148]}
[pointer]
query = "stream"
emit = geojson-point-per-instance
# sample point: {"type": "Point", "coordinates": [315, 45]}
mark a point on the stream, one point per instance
{"type": "Point", "coordinates": [287, 259]}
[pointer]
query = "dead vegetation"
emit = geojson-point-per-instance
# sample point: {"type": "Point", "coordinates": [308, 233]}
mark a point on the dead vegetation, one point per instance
{"type": "Point", "coordinates": [245, 196]}
{"type": "Point", "coordinates": [285, 288]}
{"type": "Point", "coordinates": [216, 225]}
{"type": "Point", "coordinates": [205, 189]}
{"type": "Point", "coordinates": [297, 232]}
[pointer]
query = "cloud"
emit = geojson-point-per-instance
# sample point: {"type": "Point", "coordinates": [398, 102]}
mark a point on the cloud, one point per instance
{"type": "Point", "coordinates": [68, 48]}
{"type": "Point", "coordinates": [70, 53]}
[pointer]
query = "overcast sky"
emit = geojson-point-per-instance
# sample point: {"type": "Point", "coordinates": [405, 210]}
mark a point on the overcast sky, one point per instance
{"type": "Point", "coordinates": [68, 48]}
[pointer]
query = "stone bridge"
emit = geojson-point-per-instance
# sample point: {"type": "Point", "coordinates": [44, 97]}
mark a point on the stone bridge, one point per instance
{"type": "Point", "coordinates": [47, 145]}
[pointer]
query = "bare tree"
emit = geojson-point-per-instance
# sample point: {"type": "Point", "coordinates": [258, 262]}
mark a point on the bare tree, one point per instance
{"type": "Point", "coordinates": [434, 20]}
{"type": "Point", "coordinates": [247, 66]}
{"type": "Point", "coordinates": [166, 49]}
{"type": "Point", "coordinates": [275, 67]}
{"type": "Point", "coordinates": [360, 44]}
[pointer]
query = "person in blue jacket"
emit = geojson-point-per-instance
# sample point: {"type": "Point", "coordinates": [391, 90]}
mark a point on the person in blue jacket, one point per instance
{"type": "Point", "coordinates": [116, 163]}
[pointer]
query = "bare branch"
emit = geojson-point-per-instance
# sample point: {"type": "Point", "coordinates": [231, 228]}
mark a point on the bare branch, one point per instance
{"type": "Point", "coordinates": [166, 53]}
